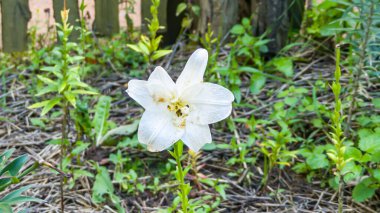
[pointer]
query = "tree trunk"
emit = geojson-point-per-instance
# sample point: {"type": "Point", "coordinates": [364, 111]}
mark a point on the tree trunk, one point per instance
{"type": "Point", "coordinates": [15, 15]}
{"type": "Point", "coordinates": [106, 17]}
{"type": "Point", "coordinates": [173, 23]}
{"type": "Point", "coordinates": [221, 14]}
{"type": "Point", "coordinates": [271, 16]}
{"type": "Point", "coordinates": [74, 17]}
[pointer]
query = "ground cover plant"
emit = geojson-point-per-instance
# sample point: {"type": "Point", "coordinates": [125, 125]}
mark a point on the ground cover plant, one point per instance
{"type": "Point", "coordinates": [218, 120]}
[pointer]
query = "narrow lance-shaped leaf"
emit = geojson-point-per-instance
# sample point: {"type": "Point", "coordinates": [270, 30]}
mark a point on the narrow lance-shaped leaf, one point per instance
{"type": "Point", "coordinates": [14, 167]}
{"type": "Point", "coordinates": [121, 130]}
{"type": "Point", "coordinates": [101, 116]}
{"type": "Point", "coordinates": [50, 105]}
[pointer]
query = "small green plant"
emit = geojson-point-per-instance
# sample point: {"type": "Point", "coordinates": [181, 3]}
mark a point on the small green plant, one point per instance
{"type": "Point", "coordinates": [337, 154]}
{"type": "Point", "coordinates": [65, 87]}
{"type": "Point", "coordinates": [212, 44]}
{"type": "Point", "coordinates": [190, 10]}
{"type": "Point", "coordinates": [10, 173]}
{"type": "Point", "coordinates": [180, 173]}
{"type": "Point", "coordinates": [246, 59]}
{"type": "Point", "coordinates": [275, 150]}
{"type": "Point", "coordinates": [149, 46]}
{"type": "Point", "coordinates": [103, 187]}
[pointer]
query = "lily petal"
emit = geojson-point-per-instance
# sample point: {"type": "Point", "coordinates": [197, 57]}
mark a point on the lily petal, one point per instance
{"type": "Point", "coordinates": [138, 90]}
{"type": "Point", "coordinates": [161, 87]}
{"type": "Point", "coordinates": [209, 103]}
{"type": "Point", "coordinates": [157, 131]}
{"type": "Point", "coordinates": [194, 70]}
{"type": "Point", "coordinates": [196, 136]}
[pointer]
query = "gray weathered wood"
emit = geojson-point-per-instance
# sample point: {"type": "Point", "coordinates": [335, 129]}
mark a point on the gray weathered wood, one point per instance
{"type": "Point", "coordinates": [272, 16]}
{"type": "Point", "coordinates": [74, 17]}
{"type": "Point", "coordinates": [15, 15]}
{"type": "Point", "coordinates": [221, 14]}
{"type": "Point", "coordinates": [106, 21]}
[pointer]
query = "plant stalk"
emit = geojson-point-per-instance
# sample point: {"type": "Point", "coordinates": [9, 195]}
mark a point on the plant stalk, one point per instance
{"type": "Point", "coordinates": [63, 150]}
{"type": "Point", "coordinates": [178, 147]}
{"type": "Point", "coordinates": [340, 194]}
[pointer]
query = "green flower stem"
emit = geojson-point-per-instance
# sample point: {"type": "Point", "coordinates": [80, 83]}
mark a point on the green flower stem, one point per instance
{"type": "Point", "coordinates": [65, 68]}
{"type": "Point", "coordinates": [184, 188]}
{"type": "Point", "coordinates": [337, 118]}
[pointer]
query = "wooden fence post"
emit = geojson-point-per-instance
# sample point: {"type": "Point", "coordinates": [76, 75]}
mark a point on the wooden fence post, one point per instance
{"type": "Point", "coordinates": [221, 14]}
{"type": "Point", "coordinates": [272, 16]}
{"type": "Point", "coordinates": [106, 21]}
{"type": "Point", "coordinates": [15, 15]}
{"type": "Point", "coordinates": [74, 18]}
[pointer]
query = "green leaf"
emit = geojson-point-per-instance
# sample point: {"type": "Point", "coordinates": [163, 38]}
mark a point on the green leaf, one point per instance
{"type": "Point", "coordinates": [180, 8]}
{"type": "Point", "coordinates": [46, 80]}
{"type": "Point", "coordinates": [76, 83]}
{"type": "Point", "coordinates": [62, 86]}
{"type": "Point", "coordinates": [6, 155]}
{"type": "Point", "coordinates": [237, 29]}
{"type": "Point", "coordinates": [121, 130]}
{"type": "Point", "coordinates": [54, 70]}
{"type": "Point", "coordinates": [363, 191]}
{"type": "Point", "coordinates": [15, 193]}
{"type": "Point", "coordinates": [47, 89]}
{"type": "Point", "coordinates": [284, 65]}
{"type": "Point", "coordinates": [257, 83]}
{"type": "Point", "coordinates": [50, 104]}
{"type": "Point", "coordinates": [196, 10]}
{"type": "Point", "coordinates": [160, 53]}
{"type": "Point", "coordinates": [37, 122]}
{"type": "Point", "coordinates": [376, 102]}
{"type": "Point", "coordinates": [82, 173]}
{"type": "Point", "coordinates": [101, 115]}
{"type": "Point", "coordinates": [71, 98]}
{"type": "Point", "coordinates": [5, 208]}
{"type": "Point", "coordinates": [84, 92]}
{"type": "Point", "coordinates": [135, 48]}
{"type": "Point", "coordinates": [145, 48]}
{"type": "Point", "coordinates": [376, 174]}
{"type": "Point", "coordinates": [102, 186]}
{"type": "Point", "coordinates": [221, 190]}
{"type": "Point", "coordinates": [354, 153]}
{"type": "Point", "coordinates": [291, 101]}
{"type": "Point", "coordinates": [79, 147]}
{"type": "Point", "coordinates": [22, 199]}
{"type": "Point", "coordinates": [317, 161]}
{"type": "Point", "coordinates": [351, 171]}
{"type": "Point", "coordinates": [369, 142]}
{"type": "Point", "coordinates": [38, 105]}
{"type": "Point", "coordinates": [14, 167]}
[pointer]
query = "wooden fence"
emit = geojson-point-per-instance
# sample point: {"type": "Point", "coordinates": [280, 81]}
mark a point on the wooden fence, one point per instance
{"type": "Point", "coordinates": [221, 14]}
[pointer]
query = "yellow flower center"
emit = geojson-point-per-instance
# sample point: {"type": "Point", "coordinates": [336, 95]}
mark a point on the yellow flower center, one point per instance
{"type": "Point", "coordinates": [181, 110]}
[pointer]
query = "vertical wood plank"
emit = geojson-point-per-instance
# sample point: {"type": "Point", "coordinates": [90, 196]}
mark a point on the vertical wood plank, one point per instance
{"type": "Point", "coordinates": [106, 17]}
{"type": "Point", "coordinates": [272, 16]}
{"type": "Point", "coordinates": [221, 14]}
{"type": "Point", "coordinates": [15, 16]}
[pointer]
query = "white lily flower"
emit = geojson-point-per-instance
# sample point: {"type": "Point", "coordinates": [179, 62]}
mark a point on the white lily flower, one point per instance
{"type": "Point", "coordinates": [181, 110]}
